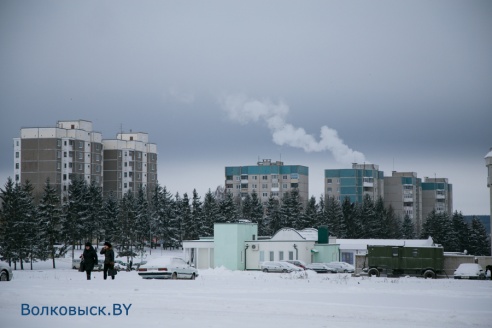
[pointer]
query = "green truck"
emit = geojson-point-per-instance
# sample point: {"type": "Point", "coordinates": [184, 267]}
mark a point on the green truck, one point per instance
{"type": "Point", "coordinates": [425, 262]}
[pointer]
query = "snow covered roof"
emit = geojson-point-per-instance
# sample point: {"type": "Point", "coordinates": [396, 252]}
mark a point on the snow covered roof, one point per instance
{"type": "Point", "coordinates": [354, 244]}
{"type": "Point", "coordinates": [489, 154]}
{"type": "Point", "coordinates": [308, 234]}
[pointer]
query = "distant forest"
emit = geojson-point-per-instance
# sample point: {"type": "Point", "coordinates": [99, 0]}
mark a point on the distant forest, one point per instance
{"type": "Point", "coordinates": [31, 231]}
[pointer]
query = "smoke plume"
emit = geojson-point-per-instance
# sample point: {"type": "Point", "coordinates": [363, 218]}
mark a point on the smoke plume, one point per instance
{"type": "Point", "coordinates": [243, 110]}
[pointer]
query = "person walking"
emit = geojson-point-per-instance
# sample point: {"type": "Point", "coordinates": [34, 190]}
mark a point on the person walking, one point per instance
{"type": "Point", "coordinates": [108, 253]}
{"type": "Point", "coordinates": [89, 256]}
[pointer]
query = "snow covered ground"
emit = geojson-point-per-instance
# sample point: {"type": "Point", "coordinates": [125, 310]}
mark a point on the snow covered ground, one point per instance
{"type": "Point", "coordinates": [223, 298]}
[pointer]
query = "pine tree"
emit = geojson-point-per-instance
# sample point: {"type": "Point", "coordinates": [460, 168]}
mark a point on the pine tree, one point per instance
{"type": "Point", "coordinates": [197, 217]}
{"type": "Point", "coordinates": [272, 222]}
{"type": "Point", "coordinates": [246, 207]}
{"type": "Point", "coordinates": [94, 212]}
{"type": "Point", "coordinates": [479, 243]}
{"type": "Point", "coordinates": [8, 216]}
{"type": "Point", "coordinates": [210, 213]}
{"type": "Point", "coordinates": [126, 237]}
{"type": "Point", "coordinates": [228, 210]}
{"type": "Point", "coordinates": [462, 232]}
{"type": "Point", "coordinates": [165, 217]}
{"type": "Point", "coordinates": [49, 216]}
{"type": "Point", "coordinates": [380, 216]}
{"type": "Point", "coordinates": [370, 223]}
{"type": "Point", "coordinates": [257, 211]}
{"type": "Point", "coordinates": [110, 213]}
{"type": "Point", "coordinates": [142, 227]}
{"type": "Point", "coordinates": [75, 214]}
{"type": "Point", "coordinates": [440, 228]}
{"type": "Point", "coordinates": [26, 227]}
{"type": "Point", "coordinates": [407, 228]}
{"type": "Point", "coordinates": [309, 219]}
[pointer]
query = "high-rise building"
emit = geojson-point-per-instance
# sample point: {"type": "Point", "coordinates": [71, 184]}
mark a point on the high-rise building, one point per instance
{"type": "Point", "coordinates": [403, 192]}
{"type": "Point", "coordinates": [488, 164]}
{"type": "Point", "coordinates": [69, 150]}
{"type": "Point", "coordinates": [354, 183]}
{"type": "Point", "coordinates": [267, 179]}
{"type": "Point", "coordinates": [437, 195]}
{"type": "Point", "coordinates": [130, 163]}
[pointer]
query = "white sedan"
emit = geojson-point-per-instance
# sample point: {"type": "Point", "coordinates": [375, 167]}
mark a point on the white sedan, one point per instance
{"type": "Point", "coordinates": [167, 268]}
{"type": "Point", "coordinates": [5, 272]}
{"type": "Point", "coordinates": [469, 271]}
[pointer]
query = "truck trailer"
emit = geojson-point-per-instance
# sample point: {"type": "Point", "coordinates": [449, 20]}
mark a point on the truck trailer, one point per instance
{"type": "Point", "coordinates": [427, 262]}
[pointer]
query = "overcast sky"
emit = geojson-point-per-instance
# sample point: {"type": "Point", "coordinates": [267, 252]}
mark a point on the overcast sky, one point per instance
{"type": "Point", "coordinates": [406, 85]}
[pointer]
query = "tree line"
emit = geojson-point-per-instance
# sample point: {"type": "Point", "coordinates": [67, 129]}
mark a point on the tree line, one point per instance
{"type": "Point", "coordinates": [31, 231]}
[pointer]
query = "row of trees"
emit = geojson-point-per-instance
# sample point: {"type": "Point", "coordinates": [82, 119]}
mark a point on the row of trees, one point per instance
{"type": "Point", "coordinates": [30, 231]}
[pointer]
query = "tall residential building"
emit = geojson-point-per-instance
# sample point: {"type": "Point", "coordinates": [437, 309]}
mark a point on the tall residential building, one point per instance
{"type": "Point", "coordinates": [267, 179]}
{"type": "Point", "coordinates": [403, 191]}
{"type": "Point", "coordinates": [69, 150]}
{"type": "Point", "coordinates": [355, 183]}
{"type": "Point", "coordinates": [130, 162]}
{"type": "Point", "coordinates": [437, 195]}
{"type": "Point", "coordinates": [488, 164]}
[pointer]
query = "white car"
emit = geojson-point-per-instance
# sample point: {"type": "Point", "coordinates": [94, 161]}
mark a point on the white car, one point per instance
{"type": "Point", "coordinates": [277, 266]}
{"type": "Point", "coordinates": [469, 271]}
{"type": "Point", "coordinates": [167, 268]}
{"type": "Point", "coordinates": [5, 272]}
{"type": "Point", "coordinates": [342, 267]}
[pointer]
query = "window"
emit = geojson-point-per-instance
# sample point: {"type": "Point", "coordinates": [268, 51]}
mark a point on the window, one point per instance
{"type": "Point", "coordinates": [284, 185]}
{"type": "Point", "coordinates": [139, 166]}
{"type": "Point", "coordinates": [254, 186]}
{"type": "Point", "coordinates": [119, 175]}
{"type": "Point", "coordinates": [17, 165]}
{"type": "Point", "coordinates": [274, 193]}
{"type": "Point", "coordinates": [80, 167]}
{"type": "Point", "coordinates": [98, 147]}
{"type": "Point", "coordinates": [119, 185]}
{"type": "Point", "coordinates": [238, 186]}
{"type": "Point", "coordinates": [138, 176]}
{"type": "Point", "coordinates": [70, 142]}
{"type": "Point", "coordinates": [131, 154]}
{"type": "Point", "coordinates": [16, 154]}
{"type": "Point", "coordinates": [348, 257]}
{"type": "Point", "coordinates": [126, 164]}
{"type": "Point", "coordinates": [328, 189]}
{"type": "Point", "coordinates": [291, 255]}
{"type": "Point", "coordinates": [294, 185]}
{"type": "Point", "coordinates": [395, 251]}
{"type": "Point", "coordinates": [264, 177]}
{"type": "Point", "coordinates": [274, 185]}
{"type": "Point", "coordinates": [272, 256]}
{"type": "Point", "coordinates": [17, 143]}
{"type": "Point", "coordinates": [81, 155]}
{"type": "Point", "coordinates": [16, 177]}
{"type": "Point", "coordinates": [64, 177]}
{"type": "Point", "coordinates": [244, 186]}
{"type": "Point", "coordinates": [58, 154]}
{"type": "Point", "coordinates": [284, 177]}
{"type": "Point", "coordinates": [264, 185]}
{"type": "Point", "coordinates": [262, 256]}
{"type": "Point", "coordinates": [64, 154]}
{"type": "Point", "coordinates": [125, 185]}
{"type": "Point", "coordinates": [70, 165]}
{"type": "Point", "coordinates": [58, 142]}
{"type": "Point", "coordinates": [126, 175]}
{"type": "Point", "coordinates": [329, 180]}
{"type": "Point", "coordinates": [58, 165]}
{"type": "Point", "coordinates": [280, 255]}
{"type": "Point", "coordinates": [139, 155]}
{"type": "Point", "coordinates": [294, 176]}
{"type": "Point", "coordinates": [274, 176]}
{"type": "Point", "coordinates": [98, 168]}
{"type": "Point", "coordinates": [119, 153]}
{"type": "Point", "coordinates": [265, 194]}
{"type": "Point", "coordinates": [70, 154]}
{"type": "Point", "coordinates": [98, 157]}
{"type": "Point", "coordinates": [254, 177]}
{"type": "Point", "coordinates": [238, 178]}
{"type": "Point", "coordinates": [81, 144]}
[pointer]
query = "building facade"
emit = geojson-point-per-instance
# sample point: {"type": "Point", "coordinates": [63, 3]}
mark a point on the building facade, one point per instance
{"type": "Point", "coordinates": [403, 192]}
{"type": "Point", "coordinates": [488, 164]}
{"type": "Point", "coordinates": [130, 163]}
{"type": "Point", "coordinates": [437, 195]}
{"type": "Point", "coordinates": [267, 179]}
{"type": "Point", "coordinates": [354, 183]}
{"type": "Point", "coordinates": [68, 151]}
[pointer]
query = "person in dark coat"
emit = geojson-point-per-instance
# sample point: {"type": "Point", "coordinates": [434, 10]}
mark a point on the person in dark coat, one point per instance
{"type": "Point", "coordinates": [108, 253]}
{"type": "Point", "coordinates": [90, 259]}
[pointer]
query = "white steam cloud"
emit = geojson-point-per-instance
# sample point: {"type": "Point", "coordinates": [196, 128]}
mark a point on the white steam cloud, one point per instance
{"type": "Point", "coordinates": [243, 110]}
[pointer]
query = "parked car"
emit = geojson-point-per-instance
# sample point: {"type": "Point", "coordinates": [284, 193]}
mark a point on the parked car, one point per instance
{"type": "Point", "coordinates": [5, 272]}
{"type": "Point", "coordinates": [167, 268]}
{"type": "Point", "coordinates": [342, 267]}
{"type": "Point", "coordinates": [469, 271]}
{"type": "Point", "coordinates": [298, 263]}
{"type": "Point", "coordinates": [277, 266]}
{"type": "Point", "coordinates": [321, 268]}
